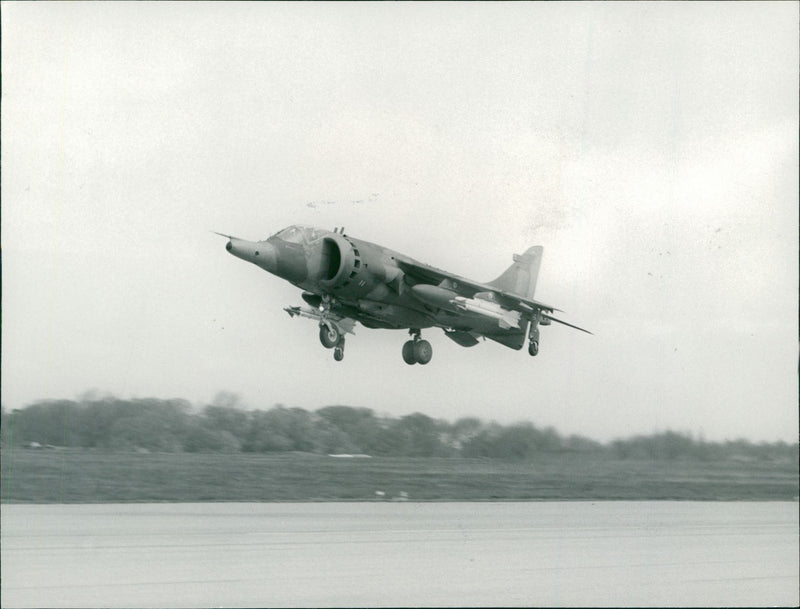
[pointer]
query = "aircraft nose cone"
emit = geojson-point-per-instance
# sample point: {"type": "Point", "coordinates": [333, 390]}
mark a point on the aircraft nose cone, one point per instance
{"type": "Point", "coordinates": [265, 256]}
{"type": "Point", "coordinates": [259, 253]}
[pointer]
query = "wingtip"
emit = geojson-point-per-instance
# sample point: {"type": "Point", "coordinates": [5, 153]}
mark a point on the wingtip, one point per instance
{"type": "Point", "coordinates": [565, 323]}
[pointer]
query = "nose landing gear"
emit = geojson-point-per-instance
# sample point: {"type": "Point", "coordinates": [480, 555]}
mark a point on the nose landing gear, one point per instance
{"type": "Point", "coordinates": [417, 350]}
{"type": "Point", "coordinates": [332, 338]}
{"type": "Point", "coordinates": [329, 335]}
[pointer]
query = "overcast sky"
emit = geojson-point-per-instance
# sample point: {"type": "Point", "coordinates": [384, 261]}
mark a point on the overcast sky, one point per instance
{"type": "Point", "coordinates": [651, 148]}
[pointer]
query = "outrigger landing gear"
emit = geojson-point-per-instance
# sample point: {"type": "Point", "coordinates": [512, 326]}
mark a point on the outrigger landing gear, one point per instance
{"type": "Point", "coordinates": [417, 350]}
{"type": "Point", "coordinates": [533, 337]}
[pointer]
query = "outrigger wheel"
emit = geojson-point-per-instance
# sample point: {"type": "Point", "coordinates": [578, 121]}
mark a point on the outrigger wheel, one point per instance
{"type": "Point", "coordinates": [533, 337]}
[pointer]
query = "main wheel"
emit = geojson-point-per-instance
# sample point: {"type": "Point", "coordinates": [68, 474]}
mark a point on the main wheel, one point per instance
{"type": "Point", "coordinates": [423, 352]}
{"type": "Point", "coordinates": [328, 336]}
{"type": "Point", "coordinates": [533, 347]}
{"type": "Point", "coordinates": [338, 354]}
{"type": "Point", "coordinates": [408, 353]}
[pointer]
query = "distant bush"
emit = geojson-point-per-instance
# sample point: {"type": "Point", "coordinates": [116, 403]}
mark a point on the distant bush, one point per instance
{"type": "Point", "coordinates": [174, 426]}
{"type": "Point", "coordinates": [670, 446]}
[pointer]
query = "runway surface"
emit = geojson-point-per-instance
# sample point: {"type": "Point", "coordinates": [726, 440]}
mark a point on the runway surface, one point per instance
{"type": "Point", "coordinates": [400, 554]}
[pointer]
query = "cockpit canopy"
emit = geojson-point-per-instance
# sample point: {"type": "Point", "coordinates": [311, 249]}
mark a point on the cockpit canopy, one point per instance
{"type": "Point", "coordinates": [300, 234]}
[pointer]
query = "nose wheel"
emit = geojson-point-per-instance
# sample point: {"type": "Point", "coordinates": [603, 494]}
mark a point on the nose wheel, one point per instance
{"type": "Point", "coordinates": [417, 350]}
{"type": "Point", "coordinates": [332, 338]}
{"type": "Point", "coordinates": [329, 335]}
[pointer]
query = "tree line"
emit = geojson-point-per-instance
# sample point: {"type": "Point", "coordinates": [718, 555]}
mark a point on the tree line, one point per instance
{"type": "Point", "coordinates": [174, 425]}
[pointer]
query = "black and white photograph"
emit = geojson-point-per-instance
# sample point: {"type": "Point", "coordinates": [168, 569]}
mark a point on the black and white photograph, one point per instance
{"type": "Point", "coordinates": [399, 304]}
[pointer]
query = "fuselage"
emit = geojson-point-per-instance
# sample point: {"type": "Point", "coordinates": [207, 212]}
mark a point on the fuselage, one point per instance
{"type": "Point", "coordinates": [364, 279]}
{"type": "Point", "coordinates": [360, 276]}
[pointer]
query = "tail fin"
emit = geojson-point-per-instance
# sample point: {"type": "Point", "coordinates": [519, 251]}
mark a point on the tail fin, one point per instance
{"type": "Point", "coordinates": [520, 278]}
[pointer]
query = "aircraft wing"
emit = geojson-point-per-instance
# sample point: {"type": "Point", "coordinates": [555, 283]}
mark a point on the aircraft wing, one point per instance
{"type": "Point", "coordinates": [564, 323]}
{"type": "Point", "coordinates": [466, 287]}
{"type": "Point", "coordinates": [424, 273]}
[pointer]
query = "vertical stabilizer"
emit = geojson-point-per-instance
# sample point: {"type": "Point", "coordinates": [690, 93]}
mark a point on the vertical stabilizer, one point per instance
{"type": "Point", "coordinates": [520, 278]}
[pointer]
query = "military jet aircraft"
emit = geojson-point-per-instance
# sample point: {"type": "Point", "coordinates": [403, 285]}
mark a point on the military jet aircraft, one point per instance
{"type": "Point", "coordinates": [346, 280]}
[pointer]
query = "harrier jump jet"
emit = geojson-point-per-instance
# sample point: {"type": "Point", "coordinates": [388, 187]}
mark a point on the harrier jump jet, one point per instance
{"type": "Point", "coordinates": [346, 280]}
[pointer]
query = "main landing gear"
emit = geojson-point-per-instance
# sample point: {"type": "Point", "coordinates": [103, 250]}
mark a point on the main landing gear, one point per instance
{"type": "Point", "coordinates": [417, 350]}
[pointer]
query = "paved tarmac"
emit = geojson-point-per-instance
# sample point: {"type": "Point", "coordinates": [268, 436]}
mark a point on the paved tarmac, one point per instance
{"type": "Point", "coordinates": [400, 554]}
